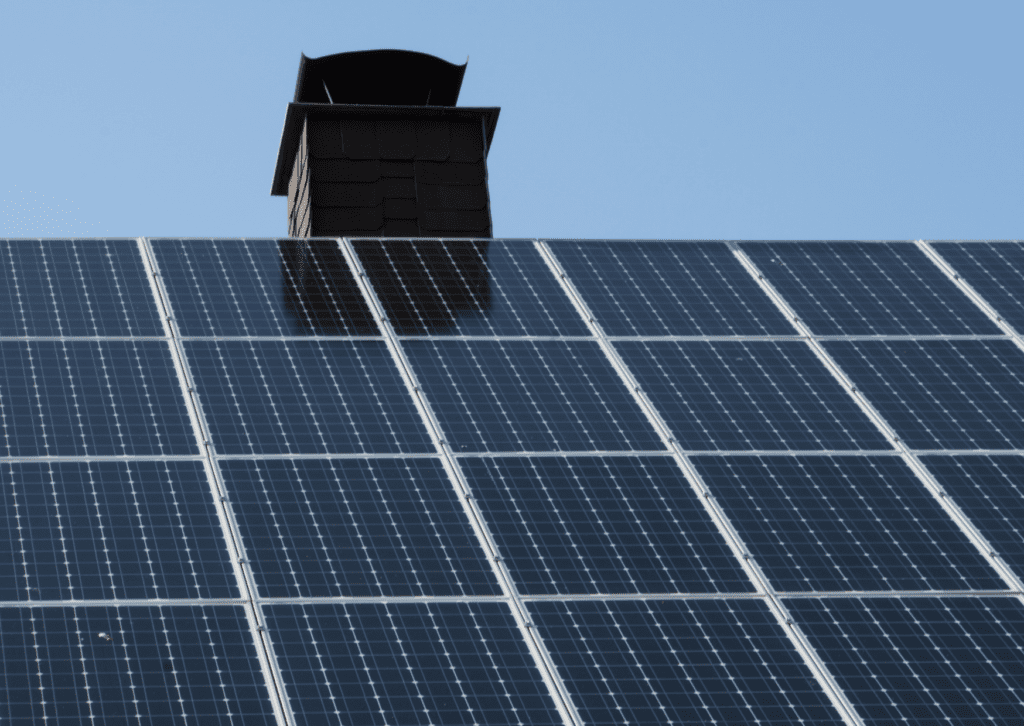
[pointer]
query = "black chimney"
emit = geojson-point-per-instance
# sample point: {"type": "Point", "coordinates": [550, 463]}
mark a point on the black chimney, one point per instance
{"type": "Point", "coordinates": [374, 146]}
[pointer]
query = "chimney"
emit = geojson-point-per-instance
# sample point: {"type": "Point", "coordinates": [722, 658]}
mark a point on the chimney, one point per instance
{"type": "Point", "coordinates": [374, 146]}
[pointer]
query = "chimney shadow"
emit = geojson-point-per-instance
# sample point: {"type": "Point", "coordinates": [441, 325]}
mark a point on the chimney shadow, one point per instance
{"type": "Point", "coordinates": [320, 294]}
{"type": "Point", "coordinates": [428, 286]}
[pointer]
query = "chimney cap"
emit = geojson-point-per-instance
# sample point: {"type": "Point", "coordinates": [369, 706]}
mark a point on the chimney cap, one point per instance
{"type": "Point", "coordinates": [379, 78]}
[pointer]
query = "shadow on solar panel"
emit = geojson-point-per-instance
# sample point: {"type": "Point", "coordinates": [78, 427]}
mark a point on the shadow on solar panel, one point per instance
{"type": "Point", "coordinates": [319, 291]}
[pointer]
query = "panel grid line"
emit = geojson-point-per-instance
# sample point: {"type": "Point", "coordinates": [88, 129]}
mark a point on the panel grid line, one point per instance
{"type": "Point", "coordinates": [764, 588]}
{"type": "Point", "coordinates": [254, 617]}
{"type": "Point", "coordinates": [909, 456]}
{"type": "Point", "coordinates": [557, 689]}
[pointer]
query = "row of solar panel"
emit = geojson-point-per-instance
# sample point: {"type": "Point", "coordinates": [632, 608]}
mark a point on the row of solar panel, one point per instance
{"type": "Point", "coordinates": [563, 526]}
{"type": "Point", "coordinates": [503, 287]}
{"type": "Point", "coordinates": [711, 661]}
{"type": "Point", "coordinates": [102, 398]}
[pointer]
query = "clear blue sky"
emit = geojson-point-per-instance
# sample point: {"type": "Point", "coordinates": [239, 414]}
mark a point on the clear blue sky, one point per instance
{"type": "Point", "coordinates": [740, 120]}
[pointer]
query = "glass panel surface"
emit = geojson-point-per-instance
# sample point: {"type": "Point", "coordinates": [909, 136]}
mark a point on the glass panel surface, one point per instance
{"type": "Point", "coordinates": [528, 396]}
{"type": "Point", "coordinates": [111, 530]}
{"type": "Point", "coordinates": [575, 525]}
{"type": "Point", "coordinates": [668, 288]}
{"type": "Point", "coordinates": [843, 523]}
{"type": "Point", "coordinates": [941, 394]}
{"type": "Point", "coordinates": [262, 287]}
{"type": "Point", "coordinates": [139, 665]}
{"type": "Point", "coordinates": [995, 270]}
{"type": "Point", "coordinates": [385, 527]}
{"type": "Point", "coordinates": [75, 287]}
{"type": "Point", "coordinates": [412, 663]}
{"type": "Point", "coordinates": [467, 287]}
{"type": "Point", "coordinates": [867, 288]}
{"type": "Point", "coordinates": [679, 662]}
{"type": "Point", "coordinates": [922, 660]}
{"type": "Point", "coordinates": [304, 397]}
{"type": "Point", "coordinates": [739, 395]}
{"type": "Point", "coordinates": [76, 398]}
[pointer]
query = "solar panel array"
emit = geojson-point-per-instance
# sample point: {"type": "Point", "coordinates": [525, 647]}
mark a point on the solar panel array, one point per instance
{"type": "Point", "coordinates": [511, 481]}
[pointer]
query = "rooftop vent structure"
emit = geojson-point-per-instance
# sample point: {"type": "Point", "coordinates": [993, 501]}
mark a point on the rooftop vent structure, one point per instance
{"type": "Point", "coordinates": [374, 146]}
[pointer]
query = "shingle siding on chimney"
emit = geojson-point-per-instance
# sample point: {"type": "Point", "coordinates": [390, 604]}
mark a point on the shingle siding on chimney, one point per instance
{"type": "Point", "coordinates": [394, 176]}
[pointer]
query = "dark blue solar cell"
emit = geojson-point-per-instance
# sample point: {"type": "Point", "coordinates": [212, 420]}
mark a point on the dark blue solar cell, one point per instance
{"type": "Point", "coordinates": [304, 397]}
{"type": "Point", "coordinates": [111, 530]}
{"type": "Point", "coordinates": [467, 287]}
{"type": "Point", "coordinates": [668, 288]}
{"type": "Point", "coordinates": [75, 287]}
{"type": "Point", "coordinates": [733, 395]}
{"type": "Point", "coordinates": [990, 490]}
{"type": "Point", "coordinates": [922, 660]}
{"type": "Point", "coordinates": [413, 663]}
{"type": "Point", "coordinates": [941, 394]}
{"type": "Point", "coordinates": [867, 288]}
{"type": "Point", "coordinates": [601, 525]}
{"type": "Point", "coordinates": [74, 398]}
{"type": "Point", "coordinates": [355, 527]}
{"type": "Point", "coordinates": [679, 661]}
{"type": "Point", "coordinates": [995, 271]}
{"type": "Point", "coordinates": [139, 665]}
{"type": "Point", "coordinates": [262, 287]}
{"type": "Point", "coordinates": [843, 523]}
{"type": "Point", "coordinates": [529, 396]}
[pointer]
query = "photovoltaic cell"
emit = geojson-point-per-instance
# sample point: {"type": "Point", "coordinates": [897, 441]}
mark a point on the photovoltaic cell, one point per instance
{"type": "Point", "coordinates": [922, 660]}
{"type": "Point", "coordinates": [578, 525]}
{"type": "Point", "coordinates": [416, 663]}
{"type": "Point", "coordinates": [843, 523]}
{"type": "Point", "coordinates": [990, 490]}
{"type": "Point", "coordinates": [867, 288]}
{"type": "Point", "coordinates": [467, 287]}
{"type": "Point", "coordinates": [995, 271]}
{"type": "Point", "coordinates": [668, 288]}
{"type": "Point", "coordinates": [262, 287]}
{"type": "Point", "coordinates": [742, 395]}
{"type": "Point", "coordinates": [75, 287]}
{"type": "Point", "coordinates": [304, 397]}
{"type": "Point", "coordinates": [385, 527]}
{"type": "Point", "coordinates": [679, 661]}
{"type": "Point", "coordinates": [528, 396]}
{"type": "Point", "coordinates": [74, 398]}
{"type": "Point", "coordinates": [941, 394]}
{"type": "Point", "coordinates": [118, 665]}
{"type": "Point", "coordinates": [111, 530]}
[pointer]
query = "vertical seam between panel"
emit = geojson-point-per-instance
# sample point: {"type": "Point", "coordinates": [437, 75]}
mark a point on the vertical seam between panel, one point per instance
{"type": "Point", "coordinates": [542, 659]}
{"type": "Point", "coordinates": [909, 456]}
{"type": "Point", "coordinates": [229, 527]}
{"type": "Point", "coordinates": [731, 536]}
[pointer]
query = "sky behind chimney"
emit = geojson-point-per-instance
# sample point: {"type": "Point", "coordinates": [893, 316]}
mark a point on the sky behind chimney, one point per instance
{"type": "Point", "coordinates": [672, 119]}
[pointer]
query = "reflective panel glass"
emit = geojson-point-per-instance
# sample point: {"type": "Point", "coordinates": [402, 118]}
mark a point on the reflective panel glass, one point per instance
{"type": "Point", "coordinates": [679, 662]}
{"type": "Point", "coordinates": [740, 395]}
{"type": "Point", "coordinates": [843, 523]}
{"type": "Point", "coordinates": [922, 660]}
{"type": "Point", "coordinates": [467, 287]}
{"type": "Point", "coordinates": [941, 394]}
{"type": "Point", "coordinates": [75, 287]}
{"type": "Point", "coordinates": [577, 525]}
{"type": "Point", "coordinates": [528, 396]}
{"type": "Point", "coordinates": [355, 527]}
{"type": "Point", "coordinates": [867, 288]}
{"type": "Point", "coordinates": [139, 665]}
{"type": "Point", "coordinates": [995, 271]}
{"type": "Point", "coordinates": [111, 530]}
{"type": "Point", "coordinates": [411, 663]}
{"type": "Point", "coordinates": [262, 287]}
{"type": "Point", "coordinates": [668, 288]}
{"type": "Point", "coordinates": [304, 397]}
{"type": "Point", "coordinates": [76, 398]}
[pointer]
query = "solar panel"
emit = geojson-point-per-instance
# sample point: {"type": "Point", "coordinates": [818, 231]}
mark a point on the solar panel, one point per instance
{"type": "Point", "coordinates": [509, 481]}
